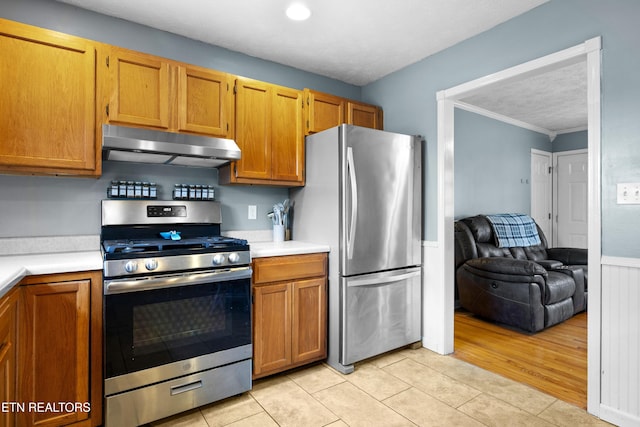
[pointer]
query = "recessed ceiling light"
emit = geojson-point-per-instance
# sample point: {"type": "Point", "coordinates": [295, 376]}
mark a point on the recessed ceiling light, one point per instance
{"type": "Point", "coordinates": [298, 12]}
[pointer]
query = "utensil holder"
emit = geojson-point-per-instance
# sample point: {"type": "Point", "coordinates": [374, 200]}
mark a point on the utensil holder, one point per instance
{"type": "Point", "coordinates": [278, 233]}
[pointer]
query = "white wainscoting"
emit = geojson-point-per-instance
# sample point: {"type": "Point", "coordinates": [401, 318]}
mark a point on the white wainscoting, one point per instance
{"type": "Point", "coordinates": [620, 349]}
{"type": "Point", "coordinates": [436, 321]}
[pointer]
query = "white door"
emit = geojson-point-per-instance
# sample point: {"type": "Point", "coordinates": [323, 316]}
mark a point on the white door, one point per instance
{"type": "Point", "coordinates": [570, 198]}
{"type": "Point", "coordinates": [541, 191]}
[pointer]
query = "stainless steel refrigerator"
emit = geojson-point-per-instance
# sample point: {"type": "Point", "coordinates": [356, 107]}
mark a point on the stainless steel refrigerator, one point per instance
{"type": "Point", "coordinates": [363, 198]}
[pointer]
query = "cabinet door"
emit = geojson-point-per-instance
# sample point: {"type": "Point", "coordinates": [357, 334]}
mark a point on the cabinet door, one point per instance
{"type": "Point", "coordinates": [54, 356]}
{"type": "Point", "coordinates": [253, 112]}
{"type": "Point", "coordinates": [47, 101]}
{"type": "Point", "coordinates": [205, 101]}
{"type": "Point", "coordinates": [287, 138]}
{"type": "Point", "coordinates": [324, 111]}
{"type": "Point", "coordinates": [272, 328]}
{"type": "Point", "coordinates": [139, 89]}
{"type": "Point", "coordinates": [309, 325]}
{"type": "Point", "coordinates": [363, 115]}
{"type": "Point", "coordinates": [8, 310]}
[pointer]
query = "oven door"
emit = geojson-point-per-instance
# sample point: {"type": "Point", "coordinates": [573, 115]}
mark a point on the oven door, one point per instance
{"type": "Point", "coordinates": [162, 327]}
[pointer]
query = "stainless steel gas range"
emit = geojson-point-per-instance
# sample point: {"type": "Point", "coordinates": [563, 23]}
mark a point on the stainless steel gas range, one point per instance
{"type": "Point", "coordinates": [177, 309]}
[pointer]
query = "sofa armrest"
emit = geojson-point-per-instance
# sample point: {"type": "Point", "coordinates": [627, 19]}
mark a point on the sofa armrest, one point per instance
{"type": "Point", "coordinates": [510, 266]}
{"type": "Point", "coordinates": [549, 264]}
{"type": "Point", "coordinates": [579, 298]}
{"type": "Point", "coordinates": [569, 256]}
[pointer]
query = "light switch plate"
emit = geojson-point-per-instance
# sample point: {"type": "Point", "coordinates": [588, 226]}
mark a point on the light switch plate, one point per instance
{"type": "Point", "coordinates": [628, 193]}
{"type": "Point", "coordinates": [253, 212]}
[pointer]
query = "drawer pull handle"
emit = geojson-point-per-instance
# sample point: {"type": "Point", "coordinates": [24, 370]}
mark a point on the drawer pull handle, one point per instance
{"type": "Point", "coordinates": [185, 387]}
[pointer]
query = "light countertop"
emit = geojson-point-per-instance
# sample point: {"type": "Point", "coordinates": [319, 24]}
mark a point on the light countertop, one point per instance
{"type": "Point", "coordinates": [289, 247]}
{"type": "Point", "coordinates": [14, 268]}
{"type": "Point", "coordinates": [261, 244]}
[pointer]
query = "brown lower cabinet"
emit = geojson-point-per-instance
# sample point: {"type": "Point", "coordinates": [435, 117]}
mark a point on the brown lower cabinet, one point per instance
{"type": "Point", "coordinates": [8, 322]}
{"type": "Point", "coordinates": [289, 312]}
{"type": "Point", "coordinates": [60, 350]}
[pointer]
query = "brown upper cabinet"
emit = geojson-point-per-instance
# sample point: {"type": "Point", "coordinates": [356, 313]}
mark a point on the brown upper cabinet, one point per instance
{"type": "Point", "coordinates": [58, 90]}
{"type": "Point", "coordinates": [364, 115]}
{"type": "Point", "coordinates": [153, 92]}
{"type": "Point", "coordinates": [325, 111]}
{"type": "Point", "coordinates": [48, 102]}
{"type": "Point", "coordinates": [269, 134]}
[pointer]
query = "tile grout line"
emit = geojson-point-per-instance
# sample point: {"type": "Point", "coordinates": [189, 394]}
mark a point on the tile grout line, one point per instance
{"type": "Point", "coordinates": [314, 398]}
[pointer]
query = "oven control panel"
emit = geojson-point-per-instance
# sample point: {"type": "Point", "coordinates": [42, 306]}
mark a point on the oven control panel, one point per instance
{"type": "Point", "coordinates": [164, 211]}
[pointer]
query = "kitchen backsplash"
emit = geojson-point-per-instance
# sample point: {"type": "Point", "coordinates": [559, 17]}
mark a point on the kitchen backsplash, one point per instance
{"type": "Point", "coordinates": [62, 206]}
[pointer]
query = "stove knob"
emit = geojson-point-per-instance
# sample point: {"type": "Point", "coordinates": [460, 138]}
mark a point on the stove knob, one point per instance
{"type": "Point", "coordinates": [131, 267]}
{"type": "Point", "coordinates": [151, 264]}
{"type": "Point", "coordinates": [218, 259]}
{"type": "Point", "coordinates": [234, 257]}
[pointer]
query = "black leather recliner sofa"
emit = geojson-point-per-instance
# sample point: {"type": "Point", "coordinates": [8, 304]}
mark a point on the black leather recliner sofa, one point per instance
{"type": "Point", "coordinates": [530, 287]}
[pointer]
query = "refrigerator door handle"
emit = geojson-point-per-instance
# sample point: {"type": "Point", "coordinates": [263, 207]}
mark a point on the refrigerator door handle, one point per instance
{"type": "Point", "coordinates": [387, 279]}
{"type": "Point", "coordinates": [354, 202]}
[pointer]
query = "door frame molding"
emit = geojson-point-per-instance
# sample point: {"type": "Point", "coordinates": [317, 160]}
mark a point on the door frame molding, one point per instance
{"type": "Point", "coordinates": [443, 290]}
{"type": "Point", "coordinates": [549, 155]}
{"type": "Point", "coordinates": [555, 187]}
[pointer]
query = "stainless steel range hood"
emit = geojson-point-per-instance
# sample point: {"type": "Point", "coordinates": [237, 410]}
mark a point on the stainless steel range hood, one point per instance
{"type": "Point", "coordinates": [121, 143]}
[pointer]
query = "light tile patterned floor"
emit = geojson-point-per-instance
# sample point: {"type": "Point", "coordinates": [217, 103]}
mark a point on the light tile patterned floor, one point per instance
{"type": "Point", "coordinates": [402, 388]}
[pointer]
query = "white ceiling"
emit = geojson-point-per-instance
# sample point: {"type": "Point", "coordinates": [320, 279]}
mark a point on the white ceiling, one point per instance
{"type": "Point", "coordinates": [554, 102]}
{"type": "Point", "coordinates": [355, 41]}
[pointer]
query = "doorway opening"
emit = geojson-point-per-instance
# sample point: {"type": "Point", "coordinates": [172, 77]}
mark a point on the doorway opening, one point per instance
{"type": "Point", "coordinates": [448, 100]}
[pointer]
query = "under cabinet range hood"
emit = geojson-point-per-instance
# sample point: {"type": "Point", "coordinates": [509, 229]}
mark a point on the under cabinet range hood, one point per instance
{"type": "Point", "coordinates": [127, 144]}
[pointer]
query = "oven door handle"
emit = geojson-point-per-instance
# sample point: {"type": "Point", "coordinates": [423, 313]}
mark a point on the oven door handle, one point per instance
{"type": "Point", "coordinates": [119, 286]}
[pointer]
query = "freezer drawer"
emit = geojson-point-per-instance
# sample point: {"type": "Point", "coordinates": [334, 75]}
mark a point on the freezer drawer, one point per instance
{"type": "Point", "coordinates": [380, 312]}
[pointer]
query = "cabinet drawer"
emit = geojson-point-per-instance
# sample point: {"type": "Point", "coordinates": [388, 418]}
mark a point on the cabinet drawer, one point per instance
{"type": "Point", "coordinates": [283, 268]}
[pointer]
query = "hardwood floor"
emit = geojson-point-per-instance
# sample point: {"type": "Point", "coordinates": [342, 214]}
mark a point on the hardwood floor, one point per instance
{"type": "Point", "coordinates": [553, 361]}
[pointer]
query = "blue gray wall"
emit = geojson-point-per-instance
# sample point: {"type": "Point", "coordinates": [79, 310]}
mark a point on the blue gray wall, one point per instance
{"type": "Point", "coordinates": [408, 96]}
{"type": "Point", "coordinates": [570, 141]}
{"type": "Point", "coordinates": [493, 165]}
{"type": "Point", "coordinates": [43, 206]}
{"type": "Point", "coordinates": [47, 206]}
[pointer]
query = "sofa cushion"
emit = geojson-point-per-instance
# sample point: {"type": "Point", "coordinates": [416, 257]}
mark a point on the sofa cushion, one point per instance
{"type": "Point", "coordinates": [536, 252]}
{"type": "Point", "coordinates": [486, 250]}
{"type": "Point", "coordinates": [518, 253]}
{"type": "Point", "coordinates": [480, 228]}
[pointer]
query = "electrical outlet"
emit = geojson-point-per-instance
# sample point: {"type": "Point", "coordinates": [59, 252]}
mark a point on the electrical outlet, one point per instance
{"type": "Point", "coordinates": [253, 212]}
{"type": "Point", "coordinates": [628, 193]}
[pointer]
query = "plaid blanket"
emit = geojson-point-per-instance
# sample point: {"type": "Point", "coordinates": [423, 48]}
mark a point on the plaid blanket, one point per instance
{"type": "Point", "coordinates": [514, 230]}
